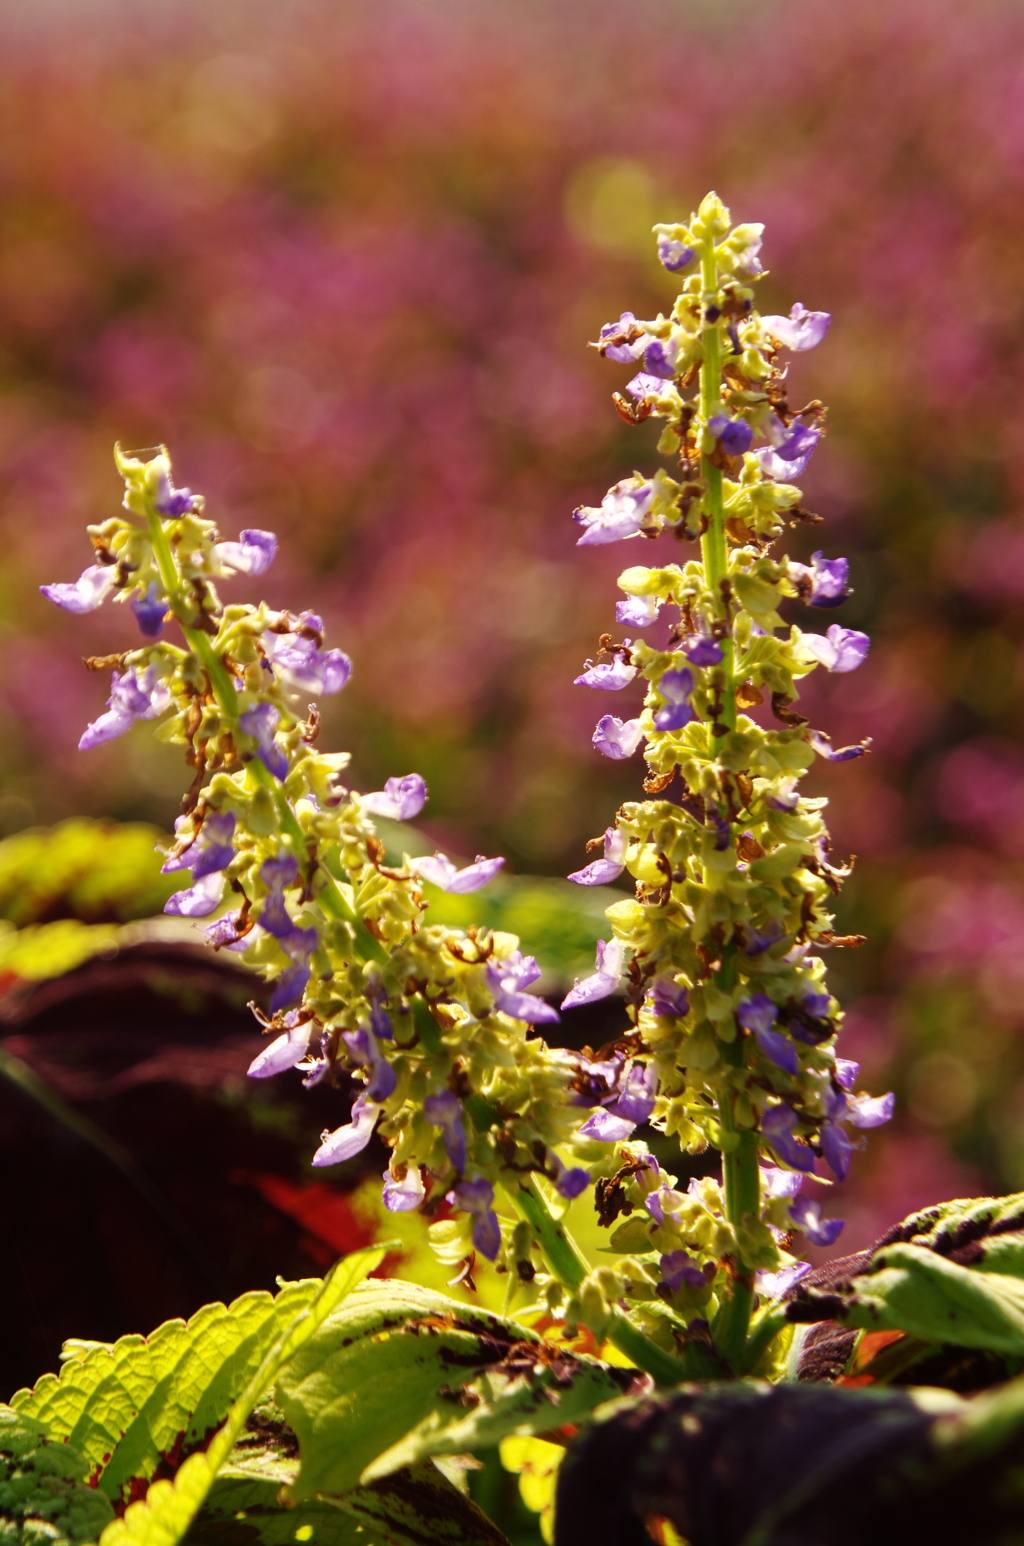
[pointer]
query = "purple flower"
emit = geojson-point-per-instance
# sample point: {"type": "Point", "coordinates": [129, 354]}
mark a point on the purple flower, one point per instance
{"type": "Point", "coordinates": [824, 583]}
{"type": "Point", "coordinates": [281, 1054]}
{"type": "Point", "coordinates": [88, 592]}
{"type": "Point", "coordinates": [211, 851]}
{"type": "Point", "coordinates": [380, 1024]}
{"type": "Point", "coordinates": [620, 515]}
{"type": "Point", "coordinates": [304, 666]}
{"type": "Point", "coordinates": [400, 800]}
{"type": "Point", "coordinates": [173, 501]}
{"type": "Point", "coordinates": [675, 687]}
{"type": "Point", "coordinates": [795, 443]}
{"type": "Point", "coordinates": [822, 744]}
{"type": "Point", "coordinates": [757, 1013]}
{"type": "Point", "coordinates": [610, 676]}
{"type": "Point", "coordinates": [224, 935]}
{"type": "Point", "coordinates": [605, 870]}
{"type": "Point", "coordinates": [667, 999]}
{"type": "Point", "coordinates": [613, 340]}
{"type": "Point", "coordinates": [780, 1183]}
{"type": "Point", "coordinates": [773, 465]}
{"type": "Point", "coordinates": [660, 357]}
{"type": "Point", "coordinates": [815, 1004]}
{"type": "Point", "coordinates": [777, 1126]}
{"type": "Point", "coordinates": [444, 1110]}
{"type": "Point", "coordinates": [348, 1141]}
{"type": "Point", "coordinates": [406, 1195]}
{"type": "Point", "coordinates": [441, 872]}
{"type": "Point", "coordinates": [617, 738]}
{"type": "Point", "coordinates": [772, 1285]}
{"type": "Point", "coordinates": [253, 553]}
{"type": "Point", "coordinates": [570, 1182]}
{"type": "Point", "coordinates": [607, 1128]}
{"type": "Point", "coordinates": [701, 650]}
{"type": "Point", "coordinates": [679, 1267]}
{"type": "Point", "coordinates": [277, 875]}
{"type": "Point", "coordinates": [846, 1073]}
{"type": "Point", "coordinates": [840, 649]}
{"type": "Point", "coordinates": [801, 330]}
{"type": "Point", "coordinates": [365, 1053]}
{"type": "Point", "coordinates": [150, 609]}
{"type": "Point", "coordinates": [868, 1110]}
{"type": "Point", "coordinates": [806, 1215]}
{"type": "Point", "coordinates": [603, 982]}
{"type": "Point", "coordinates": [778, 1049]}
{"type": "Point", "coordinates": [837, 1148]}
{"type": "Point", "coordinates": [477, 1197]}
{"type": "Point", "coordinates": [635, 1101]}
{"type": "Point", "coordinates": [132, 696]}
{"type": "Point", "coordinates": [758, 941]}
{"type": "Point", "coordinates": [733, 435]}
{"type": "Point", "coordinates": [291, 985]}
{"type": "Point", "coordinates": [786, 796]}
{"type": "Point", "coordinates": [675, 255]}
{"type": "Point", "coordinates": [200, 900]}
{"type": "Point", "coordinates": [507, 979]}
{"type": "Point", "coordinates": [260, 723]}
{"type": "Point", "coordinates": [637, 611]}
{"type": "Point", "coordinates": [747, 262]}
{"type": "Point", "coordinates": [644, 385]}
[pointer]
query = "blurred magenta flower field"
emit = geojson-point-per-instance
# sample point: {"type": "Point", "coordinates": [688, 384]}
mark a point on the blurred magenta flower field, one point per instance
{"type": "Point", "coordinates": [346, 262]}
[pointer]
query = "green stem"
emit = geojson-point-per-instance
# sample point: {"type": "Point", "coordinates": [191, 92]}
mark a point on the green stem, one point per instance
{"type": "Point", "coordinates": [221, 685]}
{"type": "Point", "coordinates": [714, 551]}
{"type": "Point", "coordinates": [570, 1267]}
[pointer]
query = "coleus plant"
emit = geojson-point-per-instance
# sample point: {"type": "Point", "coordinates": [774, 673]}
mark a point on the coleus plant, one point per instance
{"type": "Point", "coordinates": [730, 1040]}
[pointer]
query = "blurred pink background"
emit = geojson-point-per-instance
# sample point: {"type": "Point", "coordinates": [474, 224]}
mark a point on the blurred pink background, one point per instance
{"type": "Point", "coordinates": [345, 261]}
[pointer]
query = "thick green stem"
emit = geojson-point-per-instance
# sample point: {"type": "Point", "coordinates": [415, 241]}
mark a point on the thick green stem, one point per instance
{"type": "Point", "coordinates": [570, 1267]}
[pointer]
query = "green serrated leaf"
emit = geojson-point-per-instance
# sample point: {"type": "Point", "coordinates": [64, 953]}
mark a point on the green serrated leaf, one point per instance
{"type": "Point", "coordinates": [170, 1507]}
{"type": "Point", "coordinates": [914, 1290]}
{"type": "Point", "coordinates": [146, 1401]}
{"type": "Point", "coordinates": [377, 1367]}
{"type": "Point", "coordinates": [243, 1510]}
{"type": "Point", "coordinates": [502, 1406]}
{"type": "Point", "coordinates": [420, 1507]}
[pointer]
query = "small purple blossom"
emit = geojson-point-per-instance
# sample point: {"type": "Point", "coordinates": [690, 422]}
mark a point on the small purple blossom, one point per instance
{"type": "Point", "coordinates": [733, 435]}
{"type": "Point", "coordinates": [603, 871]}
{"type": "Point", "coordinates": [380, 1024]}
{"type": "Point", "coordinates": [778, 1049]}
{"type": "Point", "coordinates": [224, 935]}
{"type": "Point", "coordinates": [644, 385]}
{"type": "Point", "coordinates": [837, 1148]}
{"type": "Point", "coordinates": [840, 649]}
{"type": "Point", "coordinates": [291, 985]}
{"type": "Point", "coordinates": [846, 1073]}
{"type": "Point", "coordinates": [365, 1053]}
{"type": "Point", "coordinates": [252, 554]}
{"type": "Point", "coordinates": [757, 941]}
{"type": "Point", "coordinates": [637, 611]}
{"type": "Point", "coordinates": [400, 800]}
{"type": "Point", "coordinates": [348, 1141]}
{"type": "Point", "coordinates": [786, 796]}
{"type": "Point", "coordinates": [869, 1110]}
{"type": "Point", "coordinates": [679, 1267]}
{"type": "Point", "coordinates": [617, 738]}
{"type": "Point", "coordinates": [602, 982]}
{"type": "Point", "coordinates": [173, 502]}
{"type": "Point", "coordinates": [814, 1003]}
{"type": "Point", "coordinates": [282, 1053]}
{"type": "Point", "coordinates": [570, 1182]}
{"type": "Point", "coordinates": [772, 1285]}
{"type": "Point", "coordinates": [133, 696]}
{"type": "Point", "coordinates": [660, 357]}
{"type": "Point", "coordinates": [747, 261]}
{"type": "Point", "coordinates": [777, 1126]}
{"type": "Point", "coordinates": [801, 330]}
{"type": "Point", "coordinates": [673, 254]}
{"type": "Point", "coordinates": [635, 1101]}
{"type": "Point", "coordinates": [824, 583]}
{"type": "Point", "coordinates": [667, 999]}
{"type": "Point", "coordinates": [260, 723]}
{"type": "Point", "coordinates": [406, 1195]}
{"type": "Point", "coordinates": [806, 1215]}
{"type": "Point", "coordinates": [606, 1127]}
{"type": "Point", "coordinates": [675, 687]}
{"type": "Point", "coordinates": [444, 1110]}
{"type": "Point", "coordinates": [757, 1013]}
{"type": "Point", "coordinates": [477, 1198]}
{"type": "Point", "coordinates": [305, 667]}
{"type": "Point", "coordinates": [211, 851]}
{"type": "Point", "coordinates": [613, 340]}
{"type": "Point", "coordinates": [200, 900]}
{"type": "Point", "coordinates": [620, 515]}
{"type": "Point", "coordinates": [85, 594]}
{"type": "Point", "coordinates": [701, 650]}
{"type": "Point", "coordinates": [609, 676]}
{"type": "Point", "coordinates": [822, 744]}
{"type": "Point", "coordinates": [441, 872]}
{"type": "Point", "coordinates": [780, 1183]}
{"type": "Point", "coordinates": [278, 875]}
{"type": "Point", "coordinates": [507, 979]}
{"type": "Point", "coordinates": [150, 610]}
{"type": "Point", "coordinates": [774, 466]}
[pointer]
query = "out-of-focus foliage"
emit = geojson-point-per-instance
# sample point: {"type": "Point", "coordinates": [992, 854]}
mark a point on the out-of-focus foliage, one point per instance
{"type": "Point", "coordinates": [347, 259]}
{"type": "Point", "coordinates": [92, 871]}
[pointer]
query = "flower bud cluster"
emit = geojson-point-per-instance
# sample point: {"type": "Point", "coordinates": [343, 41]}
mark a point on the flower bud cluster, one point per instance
{"type": "Point", "coordinates": [734, 1025]}
{"type": "Point", "coordinates": [430, 1024]}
